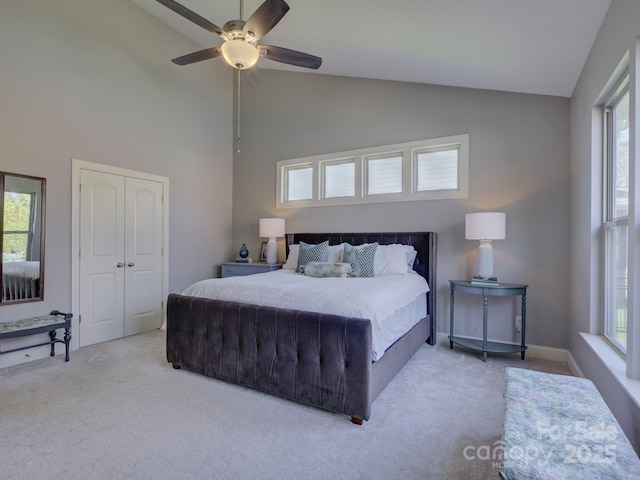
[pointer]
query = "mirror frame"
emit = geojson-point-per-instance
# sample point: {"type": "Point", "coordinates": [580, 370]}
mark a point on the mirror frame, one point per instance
{"type": "Point", "coordinates": [43, 190]}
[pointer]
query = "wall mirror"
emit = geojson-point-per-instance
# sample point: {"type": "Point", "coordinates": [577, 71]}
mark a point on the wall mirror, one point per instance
{"type": "Point", "coordinates": [22, 202]}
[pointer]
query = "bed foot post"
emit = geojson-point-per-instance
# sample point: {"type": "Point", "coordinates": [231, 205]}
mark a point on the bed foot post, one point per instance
{"type": "Point", "coordinates": [175, 365]}
{"type": "Point", "coordinates": [357, 421]}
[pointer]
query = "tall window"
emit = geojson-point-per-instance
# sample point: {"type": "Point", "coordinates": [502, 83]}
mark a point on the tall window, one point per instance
{"type": "Point", "coordinates": [616, 221]}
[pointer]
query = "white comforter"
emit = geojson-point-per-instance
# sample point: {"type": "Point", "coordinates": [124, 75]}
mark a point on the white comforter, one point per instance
{"type": "Point", "coordinates": [27, 269]}
{"type": "Point", "coordinates": [374, 298]}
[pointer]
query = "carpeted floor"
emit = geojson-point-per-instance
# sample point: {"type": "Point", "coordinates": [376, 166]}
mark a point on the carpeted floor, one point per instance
{"type": "Point", "coordinates": [119, 411]}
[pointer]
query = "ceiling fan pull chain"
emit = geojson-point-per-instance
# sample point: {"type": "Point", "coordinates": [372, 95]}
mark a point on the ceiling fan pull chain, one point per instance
{"type": "Point", "coordinates": [238, 115]}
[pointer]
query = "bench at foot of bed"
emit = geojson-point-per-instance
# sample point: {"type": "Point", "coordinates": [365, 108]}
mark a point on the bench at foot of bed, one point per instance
{"type": "Point", "coordinates": [558, 426]}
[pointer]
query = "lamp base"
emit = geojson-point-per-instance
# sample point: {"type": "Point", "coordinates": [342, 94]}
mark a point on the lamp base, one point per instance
{"type": "Point", "coordinates": [272, 251]}
{"type": "Point", "coordinates": [485, 259]}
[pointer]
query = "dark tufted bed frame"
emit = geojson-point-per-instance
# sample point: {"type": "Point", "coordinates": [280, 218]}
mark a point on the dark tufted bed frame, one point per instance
{"type": "Point", "coordinates": [315, 359]}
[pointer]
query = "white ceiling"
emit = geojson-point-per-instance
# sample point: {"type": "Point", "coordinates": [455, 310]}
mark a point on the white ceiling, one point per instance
{"type": "Point", "coordinates": [528, 46]}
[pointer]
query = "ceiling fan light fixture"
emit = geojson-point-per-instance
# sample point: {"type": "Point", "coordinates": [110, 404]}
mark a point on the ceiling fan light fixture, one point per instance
{"type": "Point", "coordinates": [240, 54]}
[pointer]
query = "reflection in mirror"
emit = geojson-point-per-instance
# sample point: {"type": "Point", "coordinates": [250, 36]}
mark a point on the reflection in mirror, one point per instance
{"type": "Point", "coordinates": [22, 240]}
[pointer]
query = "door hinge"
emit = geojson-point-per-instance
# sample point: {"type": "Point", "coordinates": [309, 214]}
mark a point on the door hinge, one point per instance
{"type": "Point", "coordinates": [79, 318]}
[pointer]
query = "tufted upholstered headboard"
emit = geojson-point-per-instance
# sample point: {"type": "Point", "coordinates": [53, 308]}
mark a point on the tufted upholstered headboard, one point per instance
{"type": "Point", "coordinates": [425, 264]}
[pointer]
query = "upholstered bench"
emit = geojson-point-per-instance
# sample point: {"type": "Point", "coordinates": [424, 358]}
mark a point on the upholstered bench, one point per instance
{"type": "Point", "coordinates": [44, 324]}
{"type": "Point", "coordinates": [558, 426]}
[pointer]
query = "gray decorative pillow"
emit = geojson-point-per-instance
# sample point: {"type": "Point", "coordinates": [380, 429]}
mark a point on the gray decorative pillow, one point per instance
{"type": "Point", "coordinates": [361, 258]}
{"type": "Point", "coordinates": [327, 269]}
{"type": "Point", "coordinates": [312, 253]}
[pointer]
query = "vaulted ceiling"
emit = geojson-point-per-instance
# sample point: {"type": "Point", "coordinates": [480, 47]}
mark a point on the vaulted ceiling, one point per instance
{"type": "Point", "coordinates": [527, 46]}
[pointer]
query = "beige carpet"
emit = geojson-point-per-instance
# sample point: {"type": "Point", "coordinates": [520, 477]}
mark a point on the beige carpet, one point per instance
{"type": "Point", "coordinates": [119, 411]}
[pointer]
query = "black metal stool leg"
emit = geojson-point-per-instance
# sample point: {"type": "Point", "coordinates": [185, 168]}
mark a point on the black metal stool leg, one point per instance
{"type": "Point", "coordinates": [67, 339]}
{"type": "Point", "coordinates": [52, 336]}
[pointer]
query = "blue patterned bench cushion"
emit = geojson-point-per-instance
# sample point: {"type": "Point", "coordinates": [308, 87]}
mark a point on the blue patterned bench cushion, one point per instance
{"type": "Point", "coordinates": [45, 321]}
{"type": "Point", "coordinates": [559, 427]}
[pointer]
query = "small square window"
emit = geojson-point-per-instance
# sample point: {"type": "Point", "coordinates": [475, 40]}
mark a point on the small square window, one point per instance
{"type": "Point", "coordinates": [384, 174]}
{"type": "Point", "coordinates": [437, 170]}
{"type": "Point", "coordinates": [299, 183]}
{"type": "Point", "coordinates": [339, 179]}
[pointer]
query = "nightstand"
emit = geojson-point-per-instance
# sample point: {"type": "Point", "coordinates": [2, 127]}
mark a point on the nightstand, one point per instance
{"type": "Point", "coordinates": [237, 269]}
{"type": "Point", "coordinates": [500, 290]}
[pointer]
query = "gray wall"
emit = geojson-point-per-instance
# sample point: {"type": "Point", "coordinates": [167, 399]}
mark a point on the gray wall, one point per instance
{"type": "Point", "coordinates": [617, 35]}
{"type": "Point", "coordinates": [519, 164]}
{"type": "Point", "coordinates": [92, 80]}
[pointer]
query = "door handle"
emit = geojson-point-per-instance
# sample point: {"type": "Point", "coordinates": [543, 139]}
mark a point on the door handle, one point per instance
{"type": "Point", "coordinates": [130, 264]}
{"type": "Point", "coordinates": [120, 265]}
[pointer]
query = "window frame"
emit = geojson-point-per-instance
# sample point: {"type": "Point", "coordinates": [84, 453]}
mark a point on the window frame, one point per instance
{"type": "Point", "coordinates": [366, 161]}
{"type": "Point", "coordinates": [284, 182]}
{"type": "Point", "coordinates": [611, 221]}
{"type": "Point", "coordinates": [408, 150]}
{"type": "Point", "coordinates": [322, 192]}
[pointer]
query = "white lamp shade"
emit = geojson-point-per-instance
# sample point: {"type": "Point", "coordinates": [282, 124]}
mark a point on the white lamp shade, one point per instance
{"type": "Point", "coordinates": [239, 54]}
{"type": "Point", "coordinates": [272, 227]}
{"type": "Point", "coordinates": [485, 226]}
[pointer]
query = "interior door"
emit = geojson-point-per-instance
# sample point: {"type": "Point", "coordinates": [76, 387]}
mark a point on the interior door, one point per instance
{"type": "Point", "coordinates": [101, 257]}
{"type": "Point", "coordinates": [143, 255]}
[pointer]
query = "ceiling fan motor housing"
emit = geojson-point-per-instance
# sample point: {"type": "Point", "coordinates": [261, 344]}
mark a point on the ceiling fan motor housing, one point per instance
{"type": "Point", "coordinates": [234, 28]}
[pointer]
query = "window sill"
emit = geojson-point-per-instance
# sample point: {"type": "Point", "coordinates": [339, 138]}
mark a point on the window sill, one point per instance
{"type": "Point", "coordinates": [615, 364]}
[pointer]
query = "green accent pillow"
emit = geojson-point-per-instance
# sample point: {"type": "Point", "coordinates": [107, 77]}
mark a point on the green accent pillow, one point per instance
{"type": "Point", "coordinates": [312, 253]}
{"type": "Point", "coordinates": [327, 269]}
{"type": "Point", "coordinates": [361, 258]}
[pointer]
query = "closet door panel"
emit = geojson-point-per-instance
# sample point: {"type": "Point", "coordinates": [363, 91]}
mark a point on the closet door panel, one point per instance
{"type": "Point", "coordinates": [143, 252]}
{"type": "Point", "coordinates": [101, 256]}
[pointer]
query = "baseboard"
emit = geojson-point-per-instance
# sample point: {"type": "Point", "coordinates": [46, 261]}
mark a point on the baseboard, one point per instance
{"type": "Point", "coordinates": [23, 356]}
{"type": "Point", "coordinates": [574, 367]}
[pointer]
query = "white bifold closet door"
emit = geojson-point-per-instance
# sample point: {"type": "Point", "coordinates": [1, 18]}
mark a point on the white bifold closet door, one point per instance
{"type": "Point", "coordinates": [120, 256]}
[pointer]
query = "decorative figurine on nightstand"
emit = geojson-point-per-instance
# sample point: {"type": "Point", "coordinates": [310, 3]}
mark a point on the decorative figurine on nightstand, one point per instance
{"type": "Point", "coordinates": [244, 255]}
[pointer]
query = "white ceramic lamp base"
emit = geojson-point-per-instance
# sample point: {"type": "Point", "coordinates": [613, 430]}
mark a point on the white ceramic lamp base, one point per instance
{"type": "Point", "coordinates": [485, 259]}
{"type": "Point", "coordinates": [272, 251]}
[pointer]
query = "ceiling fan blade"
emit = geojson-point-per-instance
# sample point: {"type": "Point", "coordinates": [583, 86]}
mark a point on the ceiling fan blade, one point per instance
{"type": "Point", "coordinates": [252, 76]}
{"type": "Point", "coordinates": [265, 18]}
{"type": "Point", "coordinates": [194, 17]}
{"type": "Point", "coordinates": [292, 57]}
{"type": "Point", "coordinates": [198, 56]}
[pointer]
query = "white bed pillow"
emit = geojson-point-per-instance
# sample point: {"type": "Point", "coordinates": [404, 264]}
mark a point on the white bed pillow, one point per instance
{"type": "Point", "coordinates": [394, 259]}
{"type": "Point", "coordinates": [292, 259]}
{"type": "Point", "coordinates": [335, 255]}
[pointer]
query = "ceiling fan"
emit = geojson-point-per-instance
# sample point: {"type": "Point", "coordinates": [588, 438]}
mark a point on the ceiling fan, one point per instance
{"type": "Point", "coordinates": [240, 48]}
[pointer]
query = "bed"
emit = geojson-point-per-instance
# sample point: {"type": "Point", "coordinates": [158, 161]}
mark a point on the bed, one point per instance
{"type": "Point", "coordinates": [319, 359]}
{"type": "Point", "coordinates": [20, 280]}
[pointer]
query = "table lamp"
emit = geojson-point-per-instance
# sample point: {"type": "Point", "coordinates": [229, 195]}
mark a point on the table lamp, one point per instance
{"type": "Point", "coordinates": [485, 226]}
{"type": "Point", "coordinates": [272, 228]}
